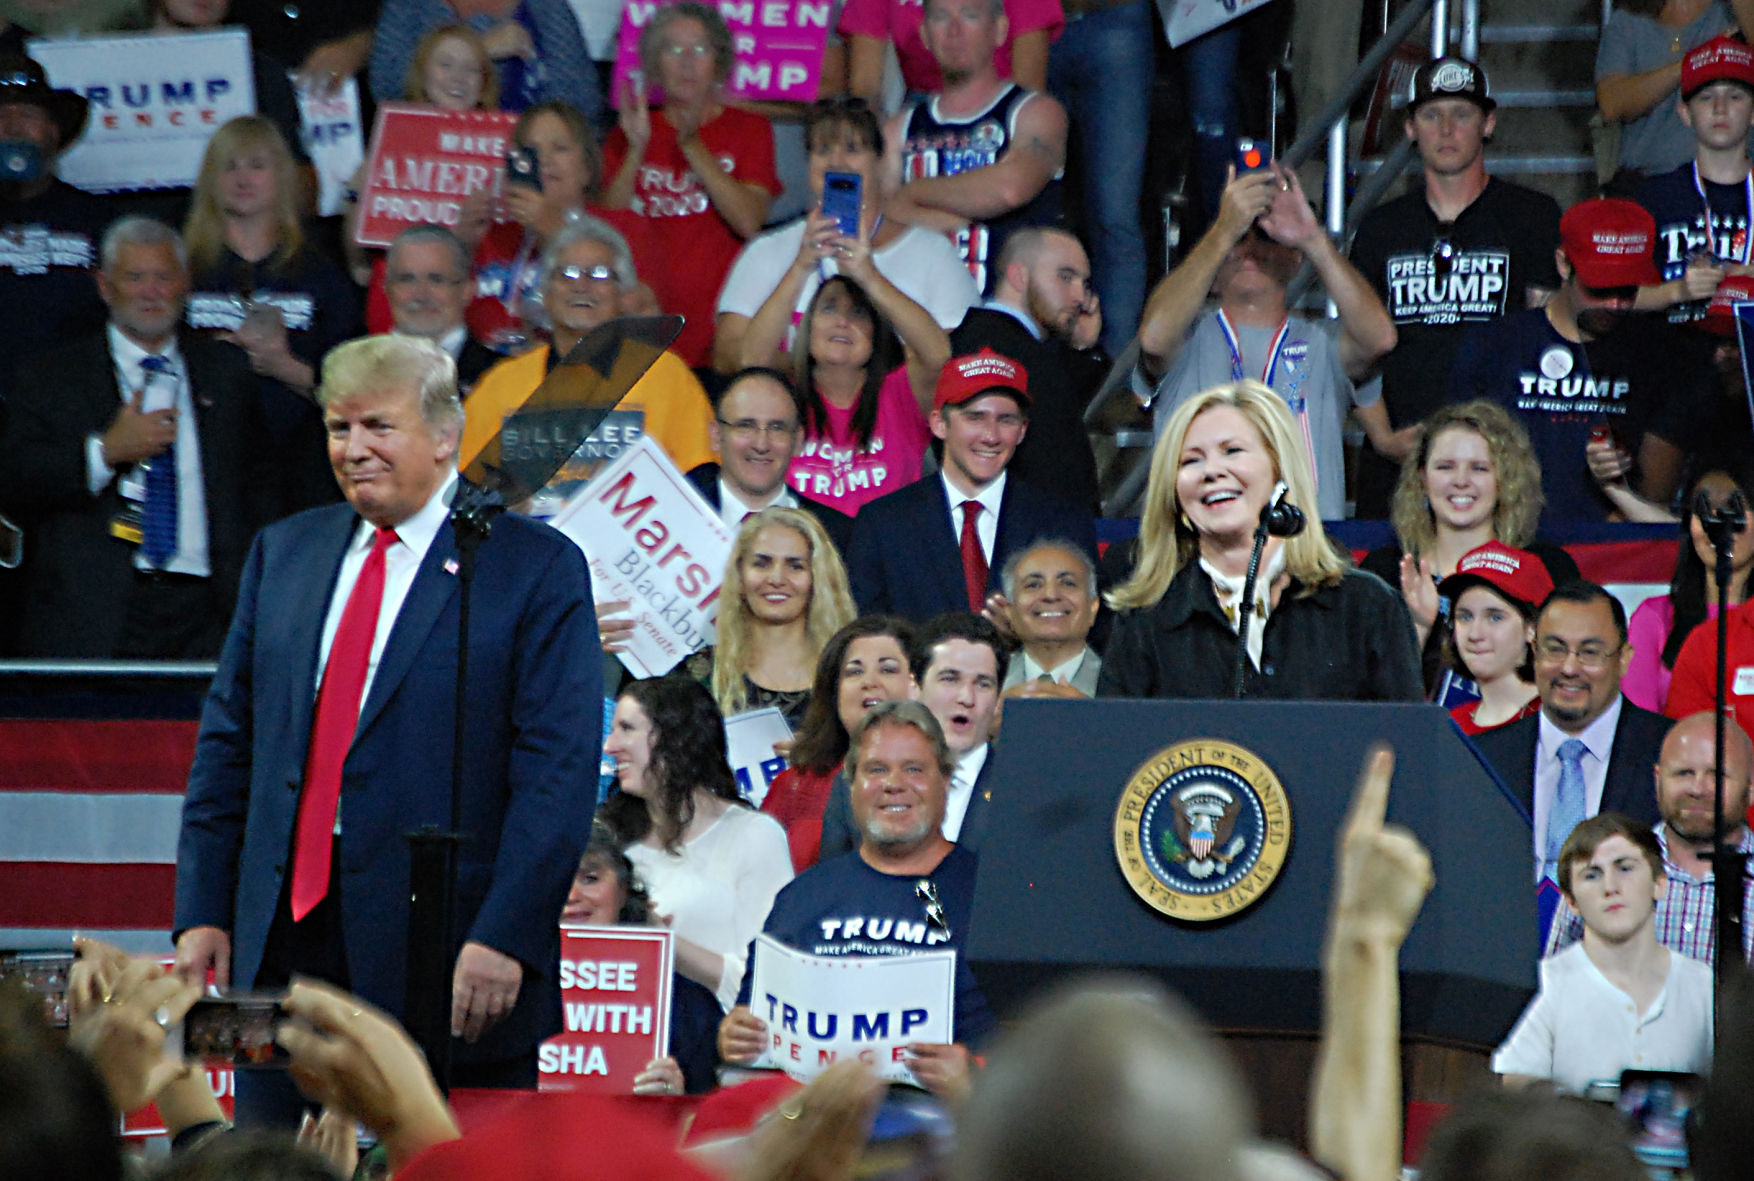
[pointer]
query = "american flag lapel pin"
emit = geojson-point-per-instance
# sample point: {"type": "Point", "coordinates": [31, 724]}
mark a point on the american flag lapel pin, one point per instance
{"type": "Point", "coordinates": [450, 565]}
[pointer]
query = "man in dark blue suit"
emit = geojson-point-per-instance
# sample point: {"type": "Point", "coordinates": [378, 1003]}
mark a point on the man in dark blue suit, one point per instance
{"type": "Point", "coordinates": [326, 735]}
{"type": "Point", "coordinates": [756, 431]}
{"type": "Point", "coordinates": [940, 543]}
{"type": "Point", "coordinates": [1588, 750]}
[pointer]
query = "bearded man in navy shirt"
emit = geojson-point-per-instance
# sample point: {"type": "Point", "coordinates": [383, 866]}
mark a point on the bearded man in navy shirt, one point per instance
{"type": "Point", "coordinates": [905, 889]}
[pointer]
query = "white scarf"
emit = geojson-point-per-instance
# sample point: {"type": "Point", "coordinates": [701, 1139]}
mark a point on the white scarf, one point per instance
{"type": "Point", "coordinates": [1229, 592]}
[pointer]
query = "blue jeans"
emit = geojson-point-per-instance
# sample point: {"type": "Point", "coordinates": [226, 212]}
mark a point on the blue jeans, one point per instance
{"type": "Point", "coordinates": [1101, 69]}
{"type": "Point", "coordinates": [1209, 64]}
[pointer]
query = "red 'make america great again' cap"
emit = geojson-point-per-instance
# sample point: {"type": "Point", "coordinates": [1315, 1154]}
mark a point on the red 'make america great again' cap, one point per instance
{"type": "Point", "coordinates": [1609, 241]}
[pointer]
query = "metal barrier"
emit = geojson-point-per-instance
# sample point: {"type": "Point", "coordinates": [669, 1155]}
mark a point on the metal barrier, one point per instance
{"type": "Point", "coordinates": [174, 670]}
{"type": "Point", "coordinates": [1329, 127]}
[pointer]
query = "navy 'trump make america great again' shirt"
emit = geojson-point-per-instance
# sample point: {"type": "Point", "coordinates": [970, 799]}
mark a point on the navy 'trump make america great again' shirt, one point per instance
{"type": "Point", "coordinates": [844, 907]}
{"type": "Point", "coordinates": [1637, 380]}
{"type": "Point", "coordinates": [1679, 201]}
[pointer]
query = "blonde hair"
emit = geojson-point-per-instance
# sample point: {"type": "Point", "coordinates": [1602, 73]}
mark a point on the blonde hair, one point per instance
{"type": "Point", "coordinates": [1515, 469]}
{"type": "Point", "coordinates": [1167, 540]}
{"type": "Point", "coordinates": [204, 230]}
{"type": "Point", "coordinates": [393, 361]}
{"type": "Point", "coordinates": [831, 603]}
{"type": "Point", "coordinates": [414, 84]}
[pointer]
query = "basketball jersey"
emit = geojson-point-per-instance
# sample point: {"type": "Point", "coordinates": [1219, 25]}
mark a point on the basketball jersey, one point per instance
{"type": "Point", "coordinates": [937, 145]}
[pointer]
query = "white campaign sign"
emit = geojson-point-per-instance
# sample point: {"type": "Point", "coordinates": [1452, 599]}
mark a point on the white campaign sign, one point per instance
{"type": "Point", "coordinates": [819, 1009]}
{"type": "Point", "coordinates": [650, 538]}
{"type": "Point", "coordinates": [1183, 20]}
{"type": "Point", "coordinates": [334, 142]}
{"type": "Point", "coordinates": [750, 736]}
{"type": "Point", "coordinates": [155, 102]}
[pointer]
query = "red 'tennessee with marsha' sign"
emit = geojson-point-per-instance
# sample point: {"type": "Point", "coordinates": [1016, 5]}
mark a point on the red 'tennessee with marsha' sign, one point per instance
{"type": "Point", "coordinates": [615, 994]}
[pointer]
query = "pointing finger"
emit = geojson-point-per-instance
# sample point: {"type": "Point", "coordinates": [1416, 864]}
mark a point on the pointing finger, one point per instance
{"type": "Point", "coordinates": [1370, 801]}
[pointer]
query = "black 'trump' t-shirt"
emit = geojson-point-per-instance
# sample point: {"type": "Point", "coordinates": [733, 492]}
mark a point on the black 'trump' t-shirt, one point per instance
{"type": "Point", "coordinates": [1641, 378]}
{"type": "Point", "coordinates": [1498, 248]}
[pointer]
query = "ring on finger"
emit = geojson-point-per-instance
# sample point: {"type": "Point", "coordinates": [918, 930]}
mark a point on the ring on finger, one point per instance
{"type": "Point", "coordinates": [162, 1018]}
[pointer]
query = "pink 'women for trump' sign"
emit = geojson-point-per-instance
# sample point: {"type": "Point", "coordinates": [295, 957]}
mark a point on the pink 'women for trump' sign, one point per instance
{"type": "Point", "coordinates": [778, 46]}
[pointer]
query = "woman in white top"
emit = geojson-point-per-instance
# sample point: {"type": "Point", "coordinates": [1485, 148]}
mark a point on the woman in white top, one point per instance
{"type": "Point", "coordinates": [711, 863]}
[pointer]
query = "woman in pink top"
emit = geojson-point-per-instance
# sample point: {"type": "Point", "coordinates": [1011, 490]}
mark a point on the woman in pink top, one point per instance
{"type": "Point", "coordinates": [870, 25]}
{"type": "Point", "coordinates": [1662, 623]}
{"type": "Point", "coordinates": [867, 359]}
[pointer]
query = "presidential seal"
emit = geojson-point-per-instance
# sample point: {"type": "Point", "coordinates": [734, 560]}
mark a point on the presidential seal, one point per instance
{"type": "Point", "coordinates": [1202, 829]}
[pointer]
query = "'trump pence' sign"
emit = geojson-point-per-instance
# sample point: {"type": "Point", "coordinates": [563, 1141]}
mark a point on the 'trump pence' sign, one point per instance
{"type": "Point", "coordinates": [615, 992]}
{"type": "Point", "coordinates": [820, 1009]}
{"type": "Point", "coordinates": [155, 102]}
{"type": "Point", "coordinates": [650, 539]}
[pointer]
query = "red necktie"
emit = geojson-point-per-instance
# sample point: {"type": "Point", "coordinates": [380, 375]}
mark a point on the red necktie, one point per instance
{"type": "Point", "coordinates": [338, 702]}
{"type": "Point", "coordinates": [974, 562]}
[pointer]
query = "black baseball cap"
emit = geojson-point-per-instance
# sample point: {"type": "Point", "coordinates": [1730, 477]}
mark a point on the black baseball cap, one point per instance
{"type": "Point", "coordinates": [1451, 77]}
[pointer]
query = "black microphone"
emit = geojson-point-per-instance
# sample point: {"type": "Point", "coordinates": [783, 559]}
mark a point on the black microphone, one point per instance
{"type": "Point", "coordinates": [1281, 517]}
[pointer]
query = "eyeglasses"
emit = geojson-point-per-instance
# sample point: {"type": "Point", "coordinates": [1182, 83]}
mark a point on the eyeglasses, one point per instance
{"type": "Point", "coordinates": [927, 891]}
{"type": "Point", "coordinates": [597, 274]}
{"type": "Point", "coordinates": [745, 430]}
{"type": "Point", "coordinates": [698, 49]}
{"type": "Point", "coordinates": [1593, 657]}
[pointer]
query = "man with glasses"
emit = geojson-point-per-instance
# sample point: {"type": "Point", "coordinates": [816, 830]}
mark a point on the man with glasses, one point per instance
{"type": "Point", "coordinates": [1245, 260]}
{"type": "Point", "coordinates": [587, 277]}
{"type": "Point", "coordinates": [426, 281]}
{"type": "Point", "coordinates": [1585, 366]}
{"type": "Point", "coordinates": [755, 430]}
{"type": "Point", "coordinates": [1589, 749]}
{"type": "Point", "coordinates": [1462, 248]}
{"type": "Point", "coordinates": [905, 889]}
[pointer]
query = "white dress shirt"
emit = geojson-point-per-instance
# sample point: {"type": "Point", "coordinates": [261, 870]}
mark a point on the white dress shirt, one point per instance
{"type": "Point", "coordinates": [1066, 671]}
{"type": "Point", "coordinates": [401, 563]}
{"type": "Point", "coordinates": [168, 391]}
{"type": "Point", "coordinates": [986, 525]}
{"type": "Point", "coordinates": [732, 510]}
{"type": "Point", "coordinates": [1598, 740]}
{"type": "Point", "coordinates": [961, 791]}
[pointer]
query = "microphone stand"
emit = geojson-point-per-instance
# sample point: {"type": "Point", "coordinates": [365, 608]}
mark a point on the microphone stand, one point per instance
{"type": "Point", "coordinates": [432, 878]}
{"type": "Point", "coordinates": [1729, 865]}
{"type": "Point", "coordinates": [1247, 606]}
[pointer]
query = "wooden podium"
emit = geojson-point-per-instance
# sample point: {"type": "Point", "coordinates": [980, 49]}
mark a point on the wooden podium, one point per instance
{"type": "Point", "coordinates": [1051, 898]}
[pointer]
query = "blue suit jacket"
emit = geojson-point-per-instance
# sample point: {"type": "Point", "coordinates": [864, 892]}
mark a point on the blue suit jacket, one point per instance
{"type": "Point", "coordinates": [530, 759]}
{"type": "Point", "coordinates": [905, 558]}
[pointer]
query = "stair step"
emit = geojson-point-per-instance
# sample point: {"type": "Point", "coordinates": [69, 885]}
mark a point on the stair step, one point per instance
{"type": "Point", "coordinates": [1501, 34]}
{"type": "Point", "coordinates": [1545, 98]}
{"type": "Point", "coordinates": [1516, 164]}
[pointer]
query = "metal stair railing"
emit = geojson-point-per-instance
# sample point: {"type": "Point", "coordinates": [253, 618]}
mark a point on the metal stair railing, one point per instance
{"type": "Point", "coordinates": [1331, 126]}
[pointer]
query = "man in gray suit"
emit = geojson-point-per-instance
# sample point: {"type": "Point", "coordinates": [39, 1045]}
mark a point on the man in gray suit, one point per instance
{"type": "Point", "coordinates": [1050, 590]}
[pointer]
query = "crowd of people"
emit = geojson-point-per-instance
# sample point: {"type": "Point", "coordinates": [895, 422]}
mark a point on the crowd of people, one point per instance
{"type": "Point", "coordinates": [229, 437]}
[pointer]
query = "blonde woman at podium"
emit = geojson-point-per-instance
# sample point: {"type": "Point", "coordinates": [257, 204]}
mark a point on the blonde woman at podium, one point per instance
{"type": "Point", "coordinates": [1319, 629]}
